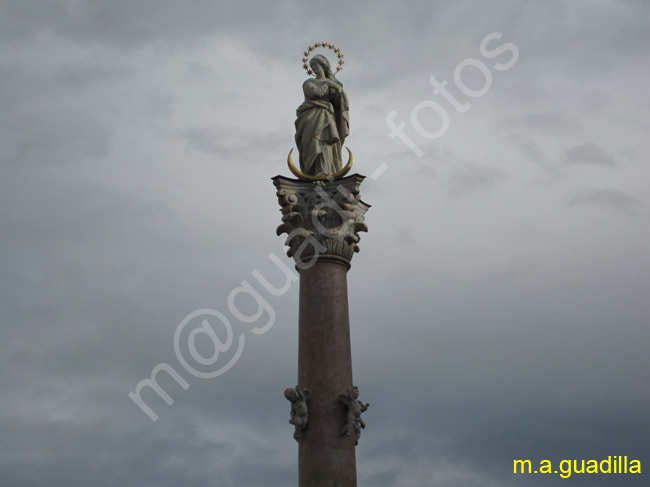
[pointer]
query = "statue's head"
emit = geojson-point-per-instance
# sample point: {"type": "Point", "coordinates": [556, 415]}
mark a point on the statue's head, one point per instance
{"type": "Point", "coordinates": [354, 392]}
{"type": "Point", "coordinates": [291, 394]}
{"type": "Point", "coordinates": [320, 60]}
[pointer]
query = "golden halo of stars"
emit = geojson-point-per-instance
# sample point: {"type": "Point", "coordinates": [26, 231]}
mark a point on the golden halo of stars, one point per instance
{"type": "Point", "coordinates": [327, 45]}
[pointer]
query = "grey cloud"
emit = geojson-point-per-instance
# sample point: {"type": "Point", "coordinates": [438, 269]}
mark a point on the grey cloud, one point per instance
{"type": "Point", "coordinates": [56, 136]}
{"type": "Point", "coordinates": [428, 172]}
{"type": "Point", "coordinates": [503, 327]}
{"type": "Point", "coordinates": [121, 23]}
{"type": "Point", "coordinates": [471, 176]}
{"type": "Point", "coordinates": [588, 154]}
{"type": "Point", "coordinates": [45, 118]}
{"type": "Point", "coordinates": [543, 121]}
{"type": "Point", "coordinates": [229, 142]}
{"type": "Point", "coordinates": [607, 198]}
{"type": "Point", "coordinates": [37, 85]}
{"type": "Point", "coordinates": [207, 141]}
{"type": "Point", "coordinates": [527, 145]}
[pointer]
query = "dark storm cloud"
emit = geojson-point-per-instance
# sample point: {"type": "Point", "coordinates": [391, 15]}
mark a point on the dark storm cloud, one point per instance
{"type": "Point", "coordinates": [546, 371]}
{"type": "Point", "coordinates": [136, 145]}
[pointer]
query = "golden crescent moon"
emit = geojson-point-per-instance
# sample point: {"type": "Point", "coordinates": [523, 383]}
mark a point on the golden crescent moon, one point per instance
{"type": "Point", "coordinates": [338, 174]}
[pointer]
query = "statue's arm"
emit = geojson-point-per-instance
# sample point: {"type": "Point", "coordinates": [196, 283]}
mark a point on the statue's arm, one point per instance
{"type": "Point", "coordinates": [313, 90]}
{"type": "Point", "coordinates": [334, 84]}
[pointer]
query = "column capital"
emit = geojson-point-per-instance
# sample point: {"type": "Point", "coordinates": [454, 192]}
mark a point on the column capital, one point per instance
{"type": "Point", "coordinates": [321, 217]}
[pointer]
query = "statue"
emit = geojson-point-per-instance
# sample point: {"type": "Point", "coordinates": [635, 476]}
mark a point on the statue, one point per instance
{"type": "Point", "coordinates": [299, 416]}
{"type": "Point", "coordinates": [355, 408]}
{"type": "Point", "coordinates": [322, 122]}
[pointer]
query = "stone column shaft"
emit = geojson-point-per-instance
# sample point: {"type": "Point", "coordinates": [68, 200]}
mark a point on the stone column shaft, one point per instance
{"type": "Point", "coordinates": [325, 457]}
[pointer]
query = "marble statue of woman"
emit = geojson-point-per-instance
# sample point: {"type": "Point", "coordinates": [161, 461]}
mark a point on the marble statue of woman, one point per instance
{"type": "Point", "coordinates": [322, 122]}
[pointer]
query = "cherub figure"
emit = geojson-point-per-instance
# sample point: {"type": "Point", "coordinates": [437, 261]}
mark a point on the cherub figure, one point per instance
{"type": "Point", "coordinates": [299, 416]}
{"type": "Point", "coordinates": [355, 408]}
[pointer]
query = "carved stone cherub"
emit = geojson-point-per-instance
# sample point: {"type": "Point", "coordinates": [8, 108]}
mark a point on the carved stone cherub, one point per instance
{"type": "Point", "coordinates": [299, 412]}
{"type": "Point", "coordinates": [355, 408]}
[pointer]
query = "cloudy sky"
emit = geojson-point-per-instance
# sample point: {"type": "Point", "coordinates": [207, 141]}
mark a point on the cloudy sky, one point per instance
{"type": "Point", "coordinates": [499, 304]}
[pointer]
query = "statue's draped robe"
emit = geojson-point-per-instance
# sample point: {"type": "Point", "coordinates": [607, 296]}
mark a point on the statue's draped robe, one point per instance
{"type": "Point", "coordinates": [322, 124]}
